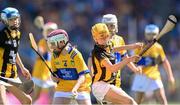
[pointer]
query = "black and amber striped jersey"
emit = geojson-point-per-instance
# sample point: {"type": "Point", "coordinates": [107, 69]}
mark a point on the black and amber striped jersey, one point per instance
{"type": "Point", "coordinates": [9, 42]}
{"type": "Point", "coordinates": [100, 72]}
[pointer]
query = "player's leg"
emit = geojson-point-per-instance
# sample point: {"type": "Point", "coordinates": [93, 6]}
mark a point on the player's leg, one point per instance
{"type": "Point", "coordinates": [36, 93]}
{"type": "Point", "coordinates": [106, 92]}
{"type": "Point", "coordinates": [139, 97]}
{"type": "Point", "coordinates": [20, 95]}
{"type": "Point", "coordinates": [158, 89]}
{"type": "Point", "coordinates": [118, 96]}
{"type": "Point", "coordinates": [160, 96]}
{"type": "Point", "coordinates": [2, 95]}
{"type": "Point", "coordinates": [140, 85]}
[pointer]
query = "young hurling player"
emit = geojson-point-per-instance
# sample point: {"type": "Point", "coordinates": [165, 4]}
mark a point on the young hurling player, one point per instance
{"type": "Point", "coordinates": [68, 64]}
{"type": "Point", "coordinates": [41, 75]}
{"type": "Point", "coordinates": [105, 68]}
{"type": "Point", "coordinates": [9, 43]}
{"type": "Point", "coordinates": [112, 23]}
{"type": "Point", "coordinates": [150, 80]}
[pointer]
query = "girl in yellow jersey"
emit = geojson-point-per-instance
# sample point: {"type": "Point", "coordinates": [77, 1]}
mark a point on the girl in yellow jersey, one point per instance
{"type": "Point", "coordinates": [41, 75]}
{"type": "Point", "coordinates": [72, 73]}
{"type": "Point", "coordinates": [105, 69]}
{"type": "Point", "coordinates": [150, 80]}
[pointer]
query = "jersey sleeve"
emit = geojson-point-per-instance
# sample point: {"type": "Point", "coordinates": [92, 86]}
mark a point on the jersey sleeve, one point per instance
{"type": "Point", "coordinates": [162, 53]}
{"type": "Point", "coordinates": [100, 56]}
{"type": "Point", "coordinates": [80, 64]}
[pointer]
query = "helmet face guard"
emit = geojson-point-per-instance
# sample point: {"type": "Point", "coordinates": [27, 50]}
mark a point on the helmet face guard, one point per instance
{"type": "Point", "coordinates": [8, 14]}
{"type": "Point", "coordinates": [60, 38]}
{"type": "Point", "coordinates": [57, 39]}
{"type": "Point", "coordinates": [111, 21]}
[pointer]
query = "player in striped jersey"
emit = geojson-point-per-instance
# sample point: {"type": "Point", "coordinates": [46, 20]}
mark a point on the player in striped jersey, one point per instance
{"type": "Point", "coordinates": [9, 43]}
{"type": "Point", "coordinates": [73, 74]}
{"type": "Point", "coordinates": [105, 69]}
{"type": "Point", "coordinates": [112, 23]}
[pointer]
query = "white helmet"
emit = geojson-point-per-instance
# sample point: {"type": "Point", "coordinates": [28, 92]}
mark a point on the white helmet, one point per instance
{"type": "Point", "coordinates": [110, 19]}
{"type": "Point", "coordinates": [57, 36]}
{"type": "Point", "coordinates": [150, 31]}
{"type": "Point", "coordinates": [49, 27]}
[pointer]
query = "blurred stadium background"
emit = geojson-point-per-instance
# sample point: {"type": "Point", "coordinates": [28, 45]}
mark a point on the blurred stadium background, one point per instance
{"type": "Point", "coordinates": [77, 17]}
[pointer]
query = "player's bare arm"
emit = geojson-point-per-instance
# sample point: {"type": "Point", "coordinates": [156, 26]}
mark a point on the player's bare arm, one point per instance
{"type": "Point", "coordinates": [24, 71]}
{"type": "Point", "coordinates": [128, 47]}
{"type": "Point", "coordinates": [80, 80]}
{"type": "Point", "coordinates": [113, 68]}
{"type": "Point", "coordinates": [169, 72]}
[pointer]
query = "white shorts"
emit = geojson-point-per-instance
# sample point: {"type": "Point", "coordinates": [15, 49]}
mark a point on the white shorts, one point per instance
{"type": "Point", "coordinates": [80, 96]}
{"type": "Point", "coordinates": [142, 83]}
{"type": "Point", "coordinates": [43, 84]}
{"type": "Point", "coordinates": [100, 89]}
{"type": "Point", "coordinates": [17, 80]}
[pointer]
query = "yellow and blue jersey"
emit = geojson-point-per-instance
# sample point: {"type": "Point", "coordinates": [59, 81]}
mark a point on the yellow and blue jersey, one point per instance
{"type": "Point", "coordinates": [150, 67]}
{"type": "Point", "coordinates": [117, 42]}
{"type": "Point", "coordinates": [40, 71]}
{"type": "Point", "coordinates": [68, 68]}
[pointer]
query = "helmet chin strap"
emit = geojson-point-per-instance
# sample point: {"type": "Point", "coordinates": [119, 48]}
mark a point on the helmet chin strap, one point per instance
{"type": "Point", "coordinates": [57, 53]}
